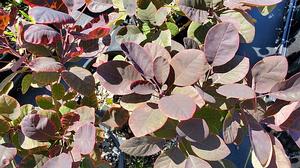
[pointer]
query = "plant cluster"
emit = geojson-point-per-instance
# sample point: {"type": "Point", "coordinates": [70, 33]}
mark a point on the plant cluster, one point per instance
{"type": "Point", "coordinates": [184, 101]}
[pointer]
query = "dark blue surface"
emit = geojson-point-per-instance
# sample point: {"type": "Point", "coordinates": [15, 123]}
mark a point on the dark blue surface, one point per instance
{"type": "Point", "coordinates": [266, 28]}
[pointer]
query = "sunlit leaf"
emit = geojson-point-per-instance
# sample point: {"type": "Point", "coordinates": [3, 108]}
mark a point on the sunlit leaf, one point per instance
{"type": "Point", "coordinates": [80, 80]}
{"type": "Point", "coordinates": [139, 57]}
{"type": "Point", "coordinates": [45, 64]}
{"type": "Point", "coordinates": [195, 162]}
{"type": "Point", "coordinates": [183, 107]}
{"type": "Point", "coordinates": [49, 16]}
{"type": "Point", "coordinates": [142, 87]}
{"type": "Point", "coordinates": [62, 160]}
{"type": "Point", "coordinates": [146, 119]}
{"type": "Point", "coordinates": [85, 138]}
{"type": "Point", "coordinates": [232, 72]}
{"type": "Point", "coordinates": [98, 6]}
{"type": "Point", "coordinates": [142, 146]}
{"type": "Point", "coordinates": [238, 91]}
{"type": "Point", "coordinates": [242, 22]}
{"type": "Point", "coordinates": [9, 107]}
{"type": "Point", "coordinates": [172, 158]}
{"type": "Point", "coordinates": [263, 151]}
{"type": "Point", "coordinates": [221, 43]}
{"type": "Point", "coordinates": [231, 127]}
{"type": "Point", "coordinates": [117, 76]}
{"type": "Point", "coordinates": [38, 127]}
{"type": "Point", "coordinates": [212, 148]}
{"type": "Point", "coordinates": [190, 65]}
{"type": "Point", "coordinates": [7, 154]}
{"type": "Point", "coordinates": [41, 34]}
{"type": "Point", "coordinates": [267, 72]}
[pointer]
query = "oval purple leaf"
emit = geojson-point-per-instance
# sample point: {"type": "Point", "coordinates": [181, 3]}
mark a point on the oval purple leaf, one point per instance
{"type": "Point", "coordinates": [117, 76]}
{"type": "Point", "coordinates": [190, 65]}
{"type": "Point", "coordinates": [142, 146]}
{"type": "Point", "coordinates": [146, 119]}
{"type": "Point", "coordinates": [49, 16]}
{"type": "Point", "coordinates": [141, 60]}
{"type": "Point", "coordinates": [41, 34]}
{"type": "Point", "coordinates": [161, 69]}
{"type": "Point", "coordinates": [257, 134]}
{"type": "Point", "coordinates": [62, 160]}
{"type": "Point", "coordinates": [7, 154]}
{"type": "Point", "coordinates": [221, 43]}
{"type": "Point", "coordinates": [38, 127]}
{"type": "Point", "coordinates": [187, 129]}
{"type": "Point", "coordinates": [268, 72]}
{"type": "Point", "coordinates": [45, 64]}
{"type": "Point", "coordinates": [212, 148]}
{"type": "Point", "coordinates": [85, 138]}
{"type": "Point", "coordinates": [142, 87]}
{"type": "Point", "coordinates": [238, 91]}
{"type": "Point", "coordinates": [177, 106]}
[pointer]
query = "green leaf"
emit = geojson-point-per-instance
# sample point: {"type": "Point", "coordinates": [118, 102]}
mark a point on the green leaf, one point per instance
{"type": "Point", "coordinates": [69, 95]}
{"type": "Point", "coordinates": [44, 101]}
{"type": "Point", "coordinates": [9, 107]}
{"type": "Point", "coordinates": [213, 117]}
{"type": "Point", "coordinates": [173, 28]}
{"type": "Point", "coordinates": [45, 78]}
{"type": "Point", "coordinates": [7, 88]}
{"type": "Point", "coordinates": [58, 91]}
{"type": "Point", "coordinates": [26, 82]}
{"type": "Point", "coordinates": [8, 79]}
{"type": "Point", "coordinates": [4, 125]}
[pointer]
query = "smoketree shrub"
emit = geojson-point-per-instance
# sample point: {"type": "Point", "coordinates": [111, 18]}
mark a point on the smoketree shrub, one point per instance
{"type": "Point", "coordinates": [184, 102]}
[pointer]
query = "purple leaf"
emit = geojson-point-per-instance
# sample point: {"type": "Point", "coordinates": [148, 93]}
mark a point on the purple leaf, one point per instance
{"type": "Point", "coordinates": [192, 93]}
{"type": "Point", "coordinates": [38, 127]}
{"type": "Point", "coordinates": [141, 60]}
{"type": "Point", "coordinates": [117, 76]}
{"type": "Point", "coordinates": [267, 72]}
{"type": "Point", "coordinates": [238, 91]}
{"type": "Point", "coordinates": [80, 79]}
{"type": "Point", "coordinates": [231, 127]}
{"type": "Point", "coordinates": [156, 50]}
{"type": "Point", "coordinates": [45, 15]}
{"type": "Point", "coordinates": [146, 119]}
{"type": "Point", "coordinates": [41, 34]}
{"type": "Point", "coordinates": [257, 134]}
{"type": "Point", "coordinates": [190, 65]}
{"type": "Point", "coordinates": [98, 30]}
{"type": "Point", "coordinates": [7, 154]}
{"type": "Point", "coordinates": [232, 72]}
{"type": "Point", "coordinates": [142, 146]}
{"type": "Point", "coordinates": [177, 106]}
{"type": "Point", "coordinates": [45, 64]}
{"type": "Point", "coordinates": [62, 160]}
{"type": "Point", "coordinates": [212, 148]}
{"type": "Point", "coordinates": [190, 43]}
{"type": "Point", "coordinates": [170, 158]}
{"type": "Point", "coordinates": [161, 69]}
{"type": "Point", "coordinates": [187, 129]}
{"type": "Point", "coordinates": [221, 43]}
{"type": "Point", "coordinates": [194, 14]}
{"type": "Point", "coordinates": [98, 6]}
{"type": "Point", "coordinates": [195, 162]}
{"type": "Point", "coordinates": [142, 87]}
{"type": "Point", "coordinates": [85, 138]}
